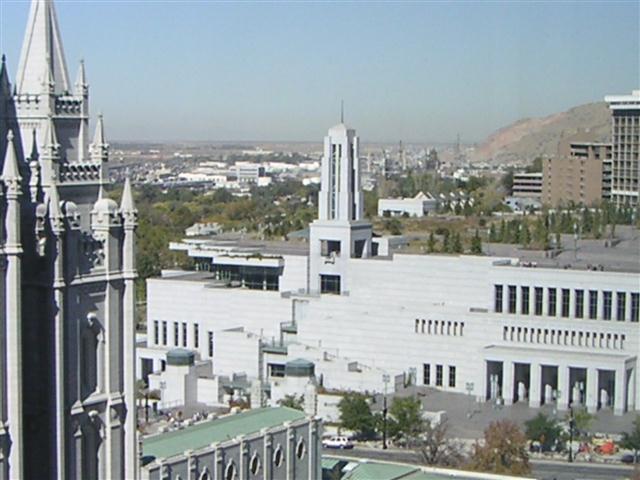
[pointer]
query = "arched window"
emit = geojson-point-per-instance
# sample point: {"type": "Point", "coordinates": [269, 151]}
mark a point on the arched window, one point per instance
{"type": "Point", "coordinates": [205, 475]}
{"type": "Point", "coordinates": [254, 464]}
{"type": "Point", "coordinates": [230, 473]}
{"type": "Point", "coordinates": [278, 456]}
{"type": "Point", "coordinates": [301, 449]}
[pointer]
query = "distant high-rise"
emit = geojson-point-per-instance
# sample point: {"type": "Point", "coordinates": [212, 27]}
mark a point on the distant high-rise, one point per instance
{"type": "Point", "coordinates": [579, 174]}
{"type": "Point", "coordinates": [625, 155]}
{"type": "Point", "coordinates": [67, 271]}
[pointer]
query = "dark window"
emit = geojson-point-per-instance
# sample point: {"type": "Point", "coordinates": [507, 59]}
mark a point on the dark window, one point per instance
{"type": "Point", "coordinates": [524, 301]}
{"type": "Point", "coordinates": [438, 375]}
{"type": "Point", "coordinates": [426, 374]}
{"type": "Point", "coordinates": [552, 302]}
{"type": "Point", "coordinates": [452, 376]}
{"type": "Point", "coordinates": [156, 332]}
{"type": "Point", "coordinates": [566, 294]}
{"type": "Point", "coordinates": [621, 311]}
{"type": "Point", "coordinates": [164, 333]}
{"type": "Point", "coordinates": [538, 300]}
{"type": "Point", "coordinates": [635, 307]}
{"type": "Point", "coordinates": [606, 305]}
{"type": "Point", "coordinates": [211, 344]}
{"type": "Point", "coordinates": [184, 334]}
{"type": "Point", "coordinates": [512, 299]}
{"type": "Point", "coordinates": [579, 310]}
{"type": "Point", "coordinates": [196, 336]}
{"type": "Point", "coordinates": [163, 365]}
{"type": "Point", "coordinates": [329, 247]}
{"type": "Point", "coordinates": [276, 369]}
{"type": "Point", "coordinates": [330, 284]}
{"type": "Point", "coordinates": [593, 304]}
{"type": "Point", "coordinates": [176, 333]}
{"type": "Point", "coordinates": [497, 307]}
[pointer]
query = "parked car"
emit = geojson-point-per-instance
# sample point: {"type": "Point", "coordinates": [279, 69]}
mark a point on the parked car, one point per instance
{"type": "Point", "coordinates": [337, 442]}
{"type": "Point", "coordinates": [627, 458]}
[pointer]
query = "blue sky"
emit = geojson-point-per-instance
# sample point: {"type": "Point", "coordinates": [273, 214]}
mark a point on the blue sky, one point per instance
{"type": "Point", "coordinates": [420, 71]}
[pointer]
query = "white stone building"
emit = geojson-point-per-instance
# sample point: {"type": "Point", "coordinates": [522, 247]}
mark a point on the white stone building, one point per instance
{"type": "Point", "coordinates": [495, 327]}
{"type": "Point", "coordinates": [67, 361]}
{"type": "Point", "coordinates": [419, 206]}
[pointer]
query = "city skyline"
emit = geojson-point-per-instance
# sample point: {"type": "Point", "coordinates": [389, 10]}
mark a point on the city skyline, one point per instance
{"type": "Point", "coordinates": [420, 72]}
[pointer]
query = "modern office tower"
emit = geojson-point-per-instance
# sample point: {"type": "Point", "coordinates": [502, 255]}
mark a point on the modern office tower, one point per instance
{"type": "Point", "coordinates": [67, 383]}
{"type": "Point", "coordinates": [625, 140]}
{"type": "Point", "coordinates": [527, 185]}
{"type": "Point", "coordinates": [580, 173]}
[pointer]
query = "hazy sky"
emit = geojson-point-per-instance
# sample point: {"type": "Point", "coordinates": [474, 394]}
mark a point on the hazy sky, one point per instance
{"type": "Point", "coordinates": [420, 71]}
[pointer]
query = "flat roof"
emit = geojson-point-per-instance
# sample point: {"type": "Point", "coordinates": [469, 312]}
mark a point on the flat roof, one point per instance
{"type": "Point", "coordinates": [203, 434]}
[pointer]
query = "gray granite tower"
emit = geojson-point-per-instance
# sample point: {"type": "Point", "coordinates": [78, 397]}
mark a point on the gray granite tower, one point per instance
{"type": "Point", "coordinates": [67, 271]}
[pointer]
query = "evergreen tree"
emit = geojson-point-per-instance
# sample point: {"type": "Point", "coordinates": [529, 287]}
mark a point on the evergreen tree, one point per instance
{"type": "Point", "coordinates": [493, 235]}
{"type": "Point", "coordinates": [431, 243]}
{"type": "Point", "coordinates": [503, 232]}
{"type": "Point", "coordinates": [446, 244]}
{"type": "Point", "coordinates": [476, 244]}
{"type": "Point", "coordinates": [456, 246]}
{"type": "Point", "coordinates": [525, 235]}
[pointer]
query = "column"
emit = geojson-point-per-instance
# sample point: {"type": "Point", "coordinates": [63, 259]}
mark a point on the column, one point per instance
{"type": "Point", "coordinates": [507, 382]}
{"type": "Point", "coordinates": [592, 390]}
{"type": "Point", "coordinates": [631, 392]}
{"type": "Point", "coordinates": [563, 387]}
{"type": "Point", "coordinates": [535, 379]}
{"type": "Point", "coordinates": [620, 391]}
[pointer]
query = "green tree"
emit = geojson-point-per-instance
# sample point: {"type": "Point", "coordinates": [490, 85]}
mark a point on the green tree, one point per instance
{"type": "Point", "coordinates": [525, 235]}
{"type": "Point", "coordinates": [535, 167]}
{"type": "Point", "coordinates": [446, 243]}
{"type": "Point", "coordinates": [292, 401]}
{"type": "Point", "coordinates": [507, 181]}
{"type": "Point", "coordinates": [493, 234]}
{"type": "Point", "coordinates": [543, 429]}
{"type": "Point", "coordinates": [393, 226]}
{"type": "Point", "coordinates": [582, 421]}
{"type": "Point", "coordinates": [631, 440]}
{"type": "Point", "coordinates": [476, 244]}
{"type": "Point", "coordinates": [355, 415]}
{"type": "Point", "coordinates": [504, 450]}
{"type": "Point", "coordinates": [456, 243]}
{"type": "Point", "coordinates": [406, 419]}
{"type": "Point", "coordinates": [431, 243]}
{"type": "Point", "coordinates": [503, 232]}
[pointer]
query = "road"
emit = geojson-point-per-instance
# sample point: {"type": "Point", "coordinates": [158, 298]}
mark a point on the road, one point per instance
{"type": "Point", "coordinates": [542, 470]}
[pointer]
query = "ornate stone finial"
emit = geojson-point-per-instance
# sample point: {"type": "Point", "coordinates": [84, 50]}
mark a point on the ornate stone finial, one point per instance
{"type": "Point", "coordinates": [11, 171]}
{"type": "Point", "coordinates": [98, 136]}
{"type": "Point", "coordinates": [127, 204]}
{"type": "Point", "coordinates": [81, 79]}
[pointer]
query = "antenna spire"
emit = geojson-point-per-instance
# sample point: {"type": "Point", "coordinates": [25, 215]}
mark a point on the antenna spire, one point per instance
{"type": "Point", "coordinates": [341, 111]}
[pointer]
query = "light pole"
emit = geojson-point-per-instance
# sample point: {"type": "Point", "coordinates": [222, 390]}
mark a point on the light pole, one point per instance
{"type": "Point", "coordinates": [571, 421]}
{"type": "Point", "coordinates": [385, 380]}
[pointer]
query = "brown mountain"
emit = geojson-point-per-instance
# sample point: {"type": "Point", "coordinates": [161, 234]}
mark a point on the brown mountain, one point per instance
{"type": "Point", "coordinates": [526, 139]}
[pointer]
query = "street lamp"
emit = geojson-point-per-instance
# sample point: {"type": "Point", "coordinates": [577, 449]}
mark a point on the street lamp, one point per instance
{"type": "Point", "coordinates": [385, 380]}
{"type": "Point", "coordinates": [571, 424]}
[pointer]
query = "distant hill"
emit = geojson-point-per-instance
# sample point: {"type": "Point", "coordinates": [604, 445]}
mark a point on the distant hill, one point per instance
{"type": "Point", "coordinates": [526, 139]}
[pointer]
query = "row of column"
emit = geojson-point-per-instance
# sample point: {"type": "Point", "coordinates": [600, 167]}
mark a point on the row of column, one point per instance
{"type": "Point", "coordinates": [622, 397]}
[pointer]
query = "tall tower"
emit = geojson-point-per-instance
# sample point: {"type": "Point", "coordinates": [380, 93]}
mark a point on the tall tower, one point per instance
{"type": "Point", "coordinates": [340, 233]}
{"type": "Point", "coordinates": [67, 379]}
{"type": "Point", "coordinates": [625, 155]}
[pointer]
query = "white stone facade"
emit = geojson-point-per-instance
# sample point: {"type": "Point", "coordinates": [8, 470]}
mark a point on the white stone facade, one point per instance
{"type": "Point", "coordinates": [469, 324]}
{"type": "Point", "coordinates": [67, 361]}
